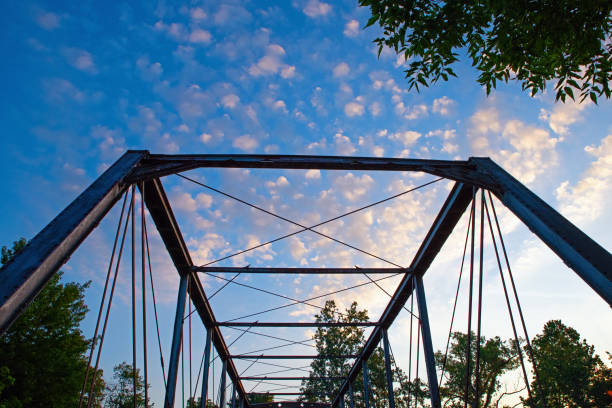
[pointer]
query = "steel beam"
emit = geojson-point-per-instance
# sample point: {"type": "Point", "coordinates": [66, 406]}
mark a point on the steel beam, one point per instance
{"type": "Point", "coordinates": [233, 395]}
{"type": "Point", "coordinates": [161, 213]}
{"type": "Point", "coordinates": [450, 213]}
{"type": "Point", "coordinates": [366, 384]}
{"type": "Point", "coordinates": [158, 165]}
{"type": "Point", "coordinates": [430, 362]}
{"type": "Point", "coordinates": [177, 336]}
{"type": "Point", "coordinates": [351, 396]}
{"type": "Point", "coordinates": [388, 370]}
{"type": "Point", "coordinates": [222, 386]}
{"type": "Point", "coordinates": [291, 357]}
{"type": "Point", "coordinates": [297, 324]}
{"type": "Point", "coordinates": [206, 368]}
{"type": "Point", "coordinates": [581, 253]}
{"type": "Point", "coordinates": [303, 271]}
{"type": "Point", "coordinates": [28, 272]}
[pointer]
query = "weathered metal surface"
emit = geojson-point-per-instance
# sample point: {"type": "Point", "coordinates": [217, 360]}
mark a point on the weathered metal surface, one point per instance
{"type": "Point", "coordinates": [290, 356]}
{"type": "Point", "coordinates": [586, 257]}
{"type": "Point", "coordinates": [206, 368]}
{"type": "Point", "coordinates": [28, 272]}
{"type": "Point", "coordinates": [175, 350]}
{"type": "Point", "coordinates": [286, 271]}
{"type": "Point", "coordinates": [430, 362]}
{"type": "Point", "coordinates": [296, 324]}
{"type": "Point", "coordinates": [388, 370]}
{"type": "Point", "coordinates": [158, 165]}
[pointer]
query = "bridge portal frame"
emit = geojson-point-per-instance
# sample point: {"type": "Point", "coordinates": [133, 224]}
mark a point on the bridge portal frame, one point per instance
{"type": "Point", "coordinates": [25, 276]}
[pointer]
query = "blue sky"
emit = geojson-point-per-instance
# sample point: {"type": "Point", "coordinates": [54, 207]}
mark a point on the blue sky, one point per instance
{"type": "Point", "coordinates": [83, 82]}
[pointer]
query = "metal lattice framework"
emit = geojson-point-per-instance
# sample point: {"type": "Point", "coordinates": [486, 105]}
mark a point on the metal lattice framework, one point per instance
{"type": "Point", "coordinates": [24, 277]}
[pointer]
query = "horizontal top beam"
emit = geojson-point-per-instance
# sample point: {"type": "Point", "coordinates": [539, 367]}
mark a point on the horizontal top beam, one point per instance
{"type": "Point", "coordinates": [296, 324]}
{"type": "Point", "coordinates": [280, 271]}
{"type": "Point", "coordinates": [159, 165]}
{"type": "Point", "coordinates": [291, 357]}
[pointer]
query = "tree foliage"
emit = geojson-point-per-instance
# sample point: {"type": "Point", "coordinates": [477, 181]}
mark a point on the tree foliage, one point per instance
{"type": "Point", "coordinates": [348, 341]}
{"type": "Point", "coordinates": [197, 403]}
{"type": "Point", "coordinates": [496, 358]}
{"type": "Point", "coordinates": [528, 41]}
{"type": "Point", "coordinates": [120, 393]}
{"type": "Point", "coordinates": [570, 373]}
{"type": "Point", "coordinates": [42, 360]}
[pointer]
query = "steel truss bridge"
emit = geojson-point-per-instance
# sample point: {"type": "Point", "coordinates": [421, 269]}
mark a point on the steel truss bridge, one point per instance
{"type": "Point", "coordinates": [26, 275]}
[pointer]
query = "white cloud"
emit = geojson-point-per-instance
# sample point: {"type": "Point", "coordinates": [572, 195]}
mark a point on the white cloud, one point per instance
{"type": "Point", "coordinates": [341, 69]}
{"type": "Point", "coordinates": [200, 36]}
{"type": "Point", "coordinates": [374, 108]}
{"type": "Point", "coordinates": [313, 174]}
{"type": "Point", "coordinates": [589, 198]}
{"type": "Point", "coordinates": [174, 30]}
{"type": "Point", "coordinates": [280, 105]}
{"type": "Point", "coordinates": [524, 150]}
{"type": "Point", "coordinates": [230, 101]}
{"type": "Point", "coordinates": [445, 134]}
{"type": "Point", "coordinates": [193, 102]}
{"type": "Point", "coordinates": [288, 71]}
{"type": "Point", "coordinates": [202, 250]}
{"type": "Point", "coordinates": [281, 181]}
{"type": "Point", "coordinates": [297, 248]}
{"type": "Point", "coordinates": [316, 8]}
{"type": "Point", "coordinates": [149, 70]}
{"type": "Point", "coordinates": [57, 89]}
{"type": "Point", "coordinates": [353, 109]}
{"type": "Point", "coordinates": [378, 151]}
{"type": "Point", "coordinates": [408, 138]}
{"type": "Point", "coordinates": [184, 202]}
{"type": "Point", "coordinates": [450, 148]}
{"type": "Point", "coordinates": [204, 200]}
{"type": "Point", "coordinates": [272, 63]}
{"type": "Point", "coordinates": [205, 137]}
{"type": "Point", "coordinates": [80, 59]}
{"type": "Point", "coordinates": [415, 112]}
{"type": "Point", "coordinates": [245, 142]}
{"type": "Point", "coordinates": [351, 29]}
{"type": "Point", "coordinates": [443, 105]}
{"type": "Point", "coordinates": [48, 20]}
{"type": "Point", "coordinates": [353, 187]}
{"type": "Point", "coordinates": [563, 115]}
{"type": "Point", "coordinates": [197, 13]}
{"type": "Point", "coordinates": [343, 143]}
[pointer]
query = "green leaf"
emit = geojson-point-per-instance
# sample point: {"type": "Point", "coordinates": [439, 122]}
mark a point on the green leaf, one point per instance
{"type": "Point", "coordinates": [371, 21]}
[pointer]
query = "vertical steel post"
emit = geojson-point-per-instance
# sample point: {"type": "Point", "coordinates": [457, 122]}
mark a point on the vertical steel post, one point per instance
{"type": "Point", "coordinates": [388, 369]}
{"type": "Point", "coordinates": [351, 396]}
{"type": "Point", "coordinates": [432, 378]}
{"type": "Point", "coordinates": [175, 352]}
{"type": "Point", "coordinates": [366, 384]}
{"type": "Point", "coordinates": [222, 385]}
{"type": "Point", "coordinates": [233, 395]}
{"type": "Point", "coordinates": [342, 401]}
{"type": "Point", "coordinates": [206, 368]}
